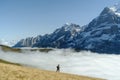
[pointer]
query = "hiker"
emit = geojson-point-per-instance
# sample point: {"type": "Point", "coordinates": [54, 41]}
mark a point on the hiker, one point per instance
{"type": "Point", "coordinates": [58, 68]}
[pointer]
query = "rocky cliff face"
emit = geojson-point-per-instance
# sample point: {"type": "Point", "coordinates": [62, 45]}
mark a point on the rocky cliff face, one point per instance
{"type": "Point", "coordinates": [102, 34]}
{"type": "Point", "coordinates": [60, 38]}
{"type": "Point", "coordinates": [28, 42]}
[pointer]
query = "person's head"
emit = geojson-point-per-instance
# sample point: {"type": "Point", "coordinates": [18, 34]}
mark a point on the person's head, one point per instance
{"type": "Point", "coordinates": [58, 65]}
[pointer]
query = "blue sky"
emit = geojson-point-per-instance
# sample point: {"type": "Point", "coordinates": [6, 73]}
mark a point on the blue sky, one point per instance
{"type": "Point", "coordinates": [26, 18]}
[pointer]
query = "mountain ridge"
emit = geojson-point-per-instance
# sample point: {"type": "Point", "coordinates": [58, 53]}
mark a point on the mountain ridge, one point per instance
{"type": "Point", "coordinates": [101, 35]}
{"type": "Point", "coordinates": [66, 32]}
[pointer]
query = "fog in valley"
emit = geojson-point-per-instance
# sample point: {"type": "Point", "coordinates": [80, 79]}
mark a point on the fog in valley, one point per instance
{"type": "Point", "coordinates": [82, 63]}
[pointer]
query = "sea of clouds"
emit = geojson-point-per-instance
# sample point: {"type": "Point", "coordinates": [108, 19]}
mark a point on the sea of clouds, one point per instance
{"type": "Point", "coordinates": [81, 63]}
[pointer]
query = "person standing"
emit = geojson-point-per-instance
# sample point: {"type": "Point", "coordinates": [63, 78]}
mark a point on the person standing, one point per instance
{"type": "Point", "coordinates": [58, 68]}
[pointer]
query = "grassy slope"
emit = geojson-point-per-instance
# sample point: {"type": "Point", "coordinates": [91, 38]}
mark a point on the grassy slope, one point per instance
{"type": "Point", "coordinates": [10, 49]}
{"type": "Point", "coordinates": [15, 72]}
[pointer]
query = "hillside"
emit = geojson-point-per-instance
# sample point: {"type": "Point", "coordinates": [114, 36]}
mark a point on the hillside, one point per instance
{"type": "Point", "coordinates": [10, 49]}
{"type": "Point", "coordinates": [14, 72]}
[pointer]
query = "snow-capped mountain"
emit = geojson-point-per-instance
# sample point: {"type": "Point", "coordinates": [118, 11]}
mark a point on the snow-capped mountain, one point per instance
{"type": "Point", "coordinates": [101, 35]}
{"type": "Point", "coordinates": [116, 9]}
{"type": "Point", "coordinates": [60, 38]}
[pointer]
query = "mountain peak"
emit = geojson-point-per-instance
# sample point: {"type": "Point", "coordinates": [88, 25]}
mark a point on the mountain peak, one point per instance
{"type": "Point", "coordinates": [70, 27]}
{"type": "Point", "coordinates": [69, 24]}
{"type": "Point", "coordinates": [107, 11]}
{"type": "Point", "coordinates": [61, 37]}
{"type": "Point", "coordinates": [116, 8]}
{"type": "Point", "coordinates": [101, 35]}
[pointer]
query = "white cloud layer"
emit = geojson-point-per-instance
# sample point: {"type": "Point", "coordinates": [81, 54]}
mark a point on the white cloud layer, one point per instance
{"type": "Point", "coordinates": [82, 63]}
